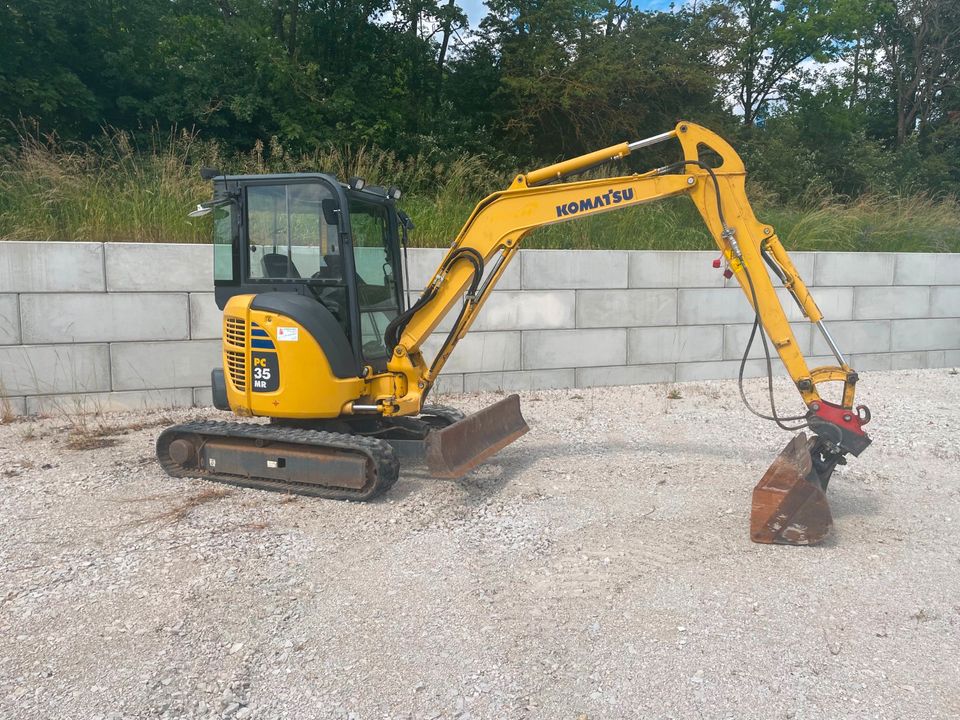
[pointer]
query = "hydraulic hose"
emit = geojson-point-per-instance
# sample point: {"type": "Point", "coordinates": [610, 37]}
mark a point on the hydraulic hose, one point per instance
{"type": "Point", "coordinates": [779, 420]}
{"type": "Point", "coordinates": [728, 233]}
{"type": "Point", "coordinates": [476, 259]}
{"type": "Point", "coordinates": [396, 326]}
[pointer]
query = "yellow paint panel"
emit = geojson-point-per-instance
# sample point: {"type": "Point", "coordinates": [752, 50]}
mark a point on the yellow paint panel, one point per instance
{"type": "Point", "coordinates": [307, 387]}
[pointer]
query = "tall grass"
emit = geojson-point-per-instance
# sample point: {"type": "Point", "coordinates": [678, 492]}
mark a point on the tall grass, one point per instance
{"type": "Point", "coordinates": [895, 223]}
{"type": "Point", "coordinates": [115, 190]}
{"type": "Point", "coordinates": [108, 190]}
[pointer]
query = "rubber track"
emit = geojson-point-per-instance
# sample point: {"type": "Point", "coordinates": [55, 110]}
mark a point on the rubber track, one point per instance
{"type": "Point", "coordinates": [386, 463]}
{"type": "Point", "coordinates": [446, 413]}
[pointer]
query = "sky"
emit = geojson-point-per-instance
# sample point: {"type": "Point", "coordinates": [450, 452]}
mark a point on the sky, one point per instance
{"type": "Point", "coordinates": [475, 9]}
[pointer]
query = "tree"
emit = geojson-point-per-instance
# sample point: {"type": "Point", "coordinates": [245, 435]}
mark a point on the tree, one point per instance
{"type": "Point", "coordinates": [451, 19]}
{"type": "Point", "coordinates": [75, 66]}
{"type": "Point", "coordinates": [920, 41]}
{"type": "Point", "coordinates": [575, 76]}
{"type": "Point", "coordinates": [766, 43]}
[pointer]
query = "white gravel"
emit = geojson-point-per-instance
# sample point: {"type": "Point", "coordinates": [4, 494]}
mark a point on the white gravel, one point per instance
{"type": "Point", "coordinates": [598, 568]}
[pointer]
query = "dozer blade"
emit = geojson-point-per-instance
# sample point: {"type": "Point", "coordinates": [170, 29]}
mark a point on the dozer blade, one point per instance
{"type": "Point", "coordinates": [458, 448]}
{"type": "Point", "coordinates": [789, 506]}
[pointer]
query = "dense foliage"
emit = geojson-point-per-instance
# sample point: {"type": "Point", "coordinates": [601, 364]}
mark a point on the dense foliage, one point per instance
{"type": "Point", "coordinates": [825, 99]}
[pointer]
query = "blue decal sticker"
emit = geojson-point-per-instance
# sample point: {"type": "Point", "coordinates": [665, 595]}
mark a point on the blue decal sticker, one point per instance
{"type": "Point", "coordinates": [260, 339]}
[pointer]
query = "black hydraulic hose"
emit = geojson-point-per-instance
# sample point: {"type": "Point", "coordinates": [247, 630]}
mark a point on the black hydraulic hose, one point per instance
{"type": "Point", "coordinates": [779, 272]}
{"type": "Point", "coordinates": [713, 176]}
{"type": "Point", "coordinates": [766, 351]}
{"type": "Point", "coordinates": [476, 259]}
{"type": "Point", "coordinates": [770, 262]}
{"type": "Point", "coordinates": [398, 324]}
{"type": "Point", "coordinates": [756, 313]}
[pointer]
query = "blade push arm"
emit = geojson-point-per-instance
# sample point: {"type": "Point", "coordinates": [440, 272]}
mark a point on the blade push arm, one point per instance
{"type": "Point", "coordinates": [499, 223]}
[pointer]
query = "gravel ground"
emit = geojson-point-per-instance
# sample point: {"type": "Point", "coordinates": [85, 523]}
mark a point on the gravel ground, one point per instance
{"type": "Point", "coordinates": [597, 568]}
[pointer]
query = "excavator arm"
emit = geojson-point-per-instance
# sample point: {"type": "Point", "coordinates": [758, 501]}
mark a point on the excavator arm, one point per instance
{"type": "Point", "coordinates": [495, 230]}
{"type": "Point", "coordinates": [497, 226]}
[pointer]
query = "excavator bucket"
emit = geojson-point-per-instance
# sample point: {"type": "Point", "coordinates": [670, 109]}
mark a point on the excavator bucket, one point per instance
{"type": "Point", "coordinates": [458, 448]}
{"type": "Point", "coordinates": [789, 506]}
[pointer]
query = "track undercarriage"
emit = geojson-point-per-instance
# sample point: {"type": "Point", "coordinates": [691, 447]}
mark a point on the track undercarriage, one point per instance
{"type": "Point", "coordinates": [354, 458]}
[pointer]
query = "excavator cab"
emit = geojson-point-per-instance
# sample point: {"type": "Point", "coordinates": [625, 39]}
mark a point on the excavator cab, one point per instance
{"type": "Point", "coordinates": [309, 236]}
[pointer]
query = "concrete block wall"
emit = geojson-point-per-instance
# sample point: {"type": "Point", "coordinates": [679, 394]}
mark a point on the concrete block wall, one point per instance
{"type": "Point", "coordinates": [125, 325]}
{"type": "Point", "coordinates": [590, 318]}
{"type": "Point", "coordinates": [106, 326]}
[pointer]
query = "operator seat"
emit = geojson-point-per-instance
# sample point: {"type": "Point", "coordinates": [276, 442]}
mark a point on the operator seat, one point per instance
{"type": "Point", "coordinates": [332, 268]}
{"type": "Point", "coordinates": [277, 265]}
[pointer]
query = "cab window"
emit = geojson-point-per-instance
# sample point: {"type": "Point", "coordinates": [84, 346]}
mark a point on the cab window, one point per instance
{"type": "Point", "coordinates": [293, 232]}
{"type": "Point", "coordinates": [223, 243]}
{"type": "Point", "coordinates": [377, 291]}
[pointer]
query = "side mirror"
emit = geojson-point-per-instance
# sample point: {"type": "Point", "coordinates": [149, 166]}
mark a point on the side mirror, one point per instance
{"type": "Point", "coordinates": [207, 207]}
{"type": "Point", "coordinates": [330, 210]}
{"type": "Point", "coordinates": [405, 220]}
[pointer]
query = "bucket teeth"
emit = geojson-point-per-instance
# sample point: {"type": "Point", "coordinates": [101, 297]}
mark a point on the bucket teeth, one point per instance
{"type": "Point", "coordinates": [789, 506]}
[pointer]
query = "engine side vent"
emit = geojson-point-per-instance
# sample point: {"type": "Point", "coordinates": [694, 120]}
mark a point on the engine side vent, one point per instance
{"type": "Point", "coordinates": [235, 331]}
{"type": "Point", "coordinates": [237, 369]}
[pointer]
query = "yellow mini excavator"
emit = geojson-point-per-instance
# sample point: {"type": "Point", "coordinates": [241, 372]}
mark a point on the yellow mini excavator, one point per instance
{"type": "Point", "coordinates": [318, 338]}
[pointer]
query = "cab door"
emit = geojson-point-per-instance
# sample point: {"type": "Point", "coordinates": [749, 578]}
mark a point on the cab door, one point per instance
{"type": "Point", "coordinates": [297, 239]}
{"type": "Point", "coordinates": [379, 288]}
